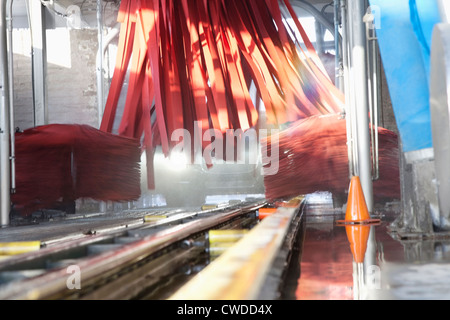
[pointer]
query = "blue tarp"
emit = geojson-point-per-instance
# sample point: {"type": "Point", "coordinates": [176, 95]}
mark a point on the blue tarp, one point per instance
{"type": "Point", "coordinates": [404, 36]}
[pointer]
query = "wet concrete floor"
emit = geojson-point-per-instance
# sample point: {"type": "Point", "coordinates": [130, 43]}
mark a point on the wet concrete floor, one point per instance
{"type": "Point", "coordinates": [390, 269]}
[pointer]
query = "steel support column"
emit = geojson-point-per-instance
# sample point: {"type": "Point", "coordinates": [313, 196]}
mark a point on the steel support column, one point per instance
{"type": "Point", "coordinates": [359, 90]}
{"type": "Point", "coordinates": [5, 183]}
{"type": "Point", "coordinates": [39, 61]}
{"type": "Point", "coordinates": [339, 81]}
{"type": "Point", "coordinates": [11, 94]}
{"type": "Point", "coordinates": [100, 89]}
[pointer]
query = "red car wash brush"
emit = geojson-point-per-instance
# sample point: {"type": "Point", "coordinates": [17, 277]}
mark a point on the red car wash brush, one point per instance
{"type": "Point", "coordinates": [313, 157]}
{"type": "Point", "coordinates": [193, 62]}
{"type": "Point", "coordinates": [57, 164]}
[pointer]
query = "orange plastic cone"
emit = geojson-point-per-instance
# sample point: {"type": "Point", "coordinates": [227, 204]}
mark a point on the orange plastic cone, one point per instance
{"type": "Point", "coordinates": [357, 212]}
{"type": "Point", "coordinates": [356, 203]}
{"type": "Point", "coordinates": [357, 236]}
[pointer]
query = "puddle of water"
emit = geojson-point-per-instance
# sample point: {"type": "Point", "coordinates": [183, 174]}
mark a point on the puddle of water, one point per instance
{"type": "Point", "coordinates": [391, 269]}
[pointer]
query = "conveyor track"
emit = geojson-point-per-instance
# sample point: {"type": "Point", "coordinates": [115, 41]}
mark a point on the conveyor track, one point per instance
{"type": "Point", "coordinates": [147, 261]}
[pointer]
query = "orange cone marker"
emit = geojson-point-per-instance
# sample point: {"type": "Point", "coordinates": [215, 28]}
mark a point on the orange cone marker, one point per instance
{"type": "Point", "coordinates": [357, 237]}
{"type": "Point", "coordinates": [357, 212]}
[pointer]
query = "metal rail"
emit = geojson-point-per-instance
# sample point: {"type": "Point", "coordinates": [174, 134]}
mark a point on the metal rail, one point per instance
{"type": "Point", "coordinates": [241, 272]}
{"type": "Point", "coordinates": [108, 265]}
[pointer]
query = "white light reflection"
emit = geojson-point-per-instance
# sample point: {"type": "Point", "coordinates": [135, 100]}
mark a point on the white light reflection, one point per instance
{"type": "Point", "coordinates": [178, 160]}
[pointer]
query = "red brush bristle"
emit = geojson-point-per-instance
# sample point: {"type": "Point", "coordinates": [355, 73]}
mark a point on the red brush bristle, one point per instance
{"type": "Point", "coordinates": [313, 157]}
{"type": "Point", "coordinates": [61, 162]}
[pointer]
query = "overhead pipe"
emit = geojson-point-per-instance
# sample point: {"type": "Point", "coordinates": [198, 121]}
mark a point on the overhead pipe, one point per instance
{"type": "Point", "coordinates": [5, 183]}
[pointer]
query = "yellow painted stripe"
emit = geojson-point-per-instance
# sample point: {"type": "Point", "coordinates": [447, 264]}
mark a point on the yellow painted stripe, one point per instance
{"type": "Point", "coordinates": [217, 251]}
{"type": "Point", "coordinates": [13, 248]}
{"type": "Point", "coordinates": [209, 207]}
{"type": "Point", "coordinates": [225, 235]}
{"type": "Point", "coordinates": [221, 245]}
{"type": "Point", "coordinates": [152, 218]}
{"type": "Point", "coordinates": [239, 273]}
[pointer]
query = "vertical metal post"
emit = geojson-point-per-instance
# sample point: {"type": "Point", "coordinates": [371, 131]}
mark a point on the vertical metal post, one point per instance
{"type": "Point", "coordinates": [5, 196]}
{"type": "Point", "coordinates": [102, 204]}
{"type": "Point", "coordinates": [357, 9]}
{"type": "Point", "coordinates": [348, 91]}
{"type": "Point", "coordinates": [100, 62]}
{"type": "Point", "coordinates": [319, 38]}
{"type": "Point", "coordinates": [373, 69]}
{"type": "Point", "coordinates": [338, 57]}
{"type": "Point", "coordinates": [39, 60]}
{"type": "Point", "coordinates": [11, 96]}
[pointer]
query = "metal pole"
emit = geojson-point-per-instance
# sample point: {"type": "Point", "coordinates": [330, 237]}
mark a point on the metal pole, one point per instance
{"type": "Point", "coordinates": [39, 62]}
{"type": "Point", "coordinates": [100, 62]}
{"type": "Point", "coordinates": [103, 43]}
{"type": "Point", "coordinates": [102, 204]}
{"type": "Point", "coordinates": [357, 9]}
{"type": "Point", "coordinates": [338, 57]}
{"type": "Point", "coordinates": [5, 196]}
{"type": "Point", "coordinates": [347, 87]}
{"type": "Point", "coordinates": [373, 83]}
{"type": "Point", "coordinates": [376, 76]}
{"type": "Point", "coordinates": [350, 93]}
{"type": "Point", "coordinates": [11, 96]}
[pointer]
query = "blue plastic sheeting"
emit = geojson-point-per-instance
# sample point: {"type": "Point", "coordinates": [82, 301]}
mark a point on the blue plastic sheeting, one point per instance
{"type": "Point", "coordinates": [404, 37]}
